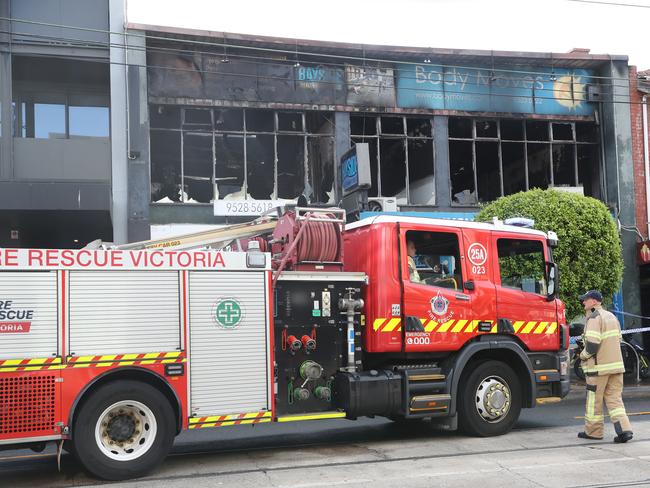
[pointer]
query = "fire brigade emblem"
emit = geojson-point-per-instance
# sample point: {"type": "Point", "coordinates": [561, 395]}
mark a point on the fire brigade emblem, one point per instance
{"type": "Point", "coordinates": [228, 313]}
{"type": "Point", "coordinates": [439, 305]}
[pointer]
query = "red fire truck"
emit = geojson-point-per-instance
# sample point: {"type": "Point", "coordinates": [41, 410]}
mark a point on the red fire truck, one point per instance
{"type": "Point", "coordinates": [111, 352]}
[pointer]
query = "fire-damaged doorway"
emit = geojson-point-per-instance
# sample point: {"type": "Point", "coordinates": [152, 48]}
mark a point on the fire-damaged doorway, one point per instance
{"type": "Point", "coordinates": [54, 229]}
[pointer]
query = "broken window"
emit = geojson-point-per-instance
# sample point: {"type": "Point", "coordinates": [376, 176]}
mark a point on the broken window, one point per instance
{"type": "Point", "coordinates": [401, 156]}
{"type": "Point", "coordinates": [165, 166]}
{"type": "Point", "coordinates": [508, 156]}
{"type": "Point", "coordinates": [200, 154]}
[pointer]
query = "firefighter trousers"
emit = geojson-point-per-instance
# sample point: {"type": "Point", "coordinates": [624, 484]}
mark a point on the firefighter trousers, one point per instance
{"type": "Point", "coordinates": [610, 389]}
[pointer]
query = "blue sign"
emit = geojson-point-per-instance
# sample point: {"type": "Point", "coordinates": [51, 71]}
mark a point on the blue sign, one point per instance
{"type": "Point", "coordinates": [350, 172]}
{"type": "Point", "coordinates": [549, 91]}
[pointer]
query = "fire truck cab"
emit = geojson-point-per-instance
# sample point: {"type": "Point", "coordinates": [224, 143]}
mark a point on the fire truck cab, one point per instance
{"type": "Point", "coordinates": [111, 351]}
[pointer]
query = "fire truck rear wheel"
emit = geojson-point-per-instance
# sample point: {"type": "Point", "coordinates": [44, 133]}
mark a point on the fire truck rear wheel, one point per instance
{"type": "Point", "coordinates": [123, 430]}
{"type": "Point", "coordinates": [489, 399]}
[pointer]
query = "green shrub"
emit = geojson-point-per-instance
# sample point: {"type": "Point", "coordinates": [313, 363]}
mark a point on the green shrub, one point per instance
{"type": "Point", "coordinates": [589, 250]}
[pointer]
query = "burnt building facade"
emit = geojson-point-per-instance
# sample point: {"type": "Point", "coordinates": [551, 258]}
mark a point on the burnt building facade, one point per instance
{"type": "Point", "coordinates": [235, 118]}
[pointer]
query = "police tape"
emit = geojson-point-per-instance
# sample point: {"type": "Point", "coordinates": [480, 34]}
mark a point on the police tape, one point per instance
{"type": "Point", "coordinates": [639, 330]}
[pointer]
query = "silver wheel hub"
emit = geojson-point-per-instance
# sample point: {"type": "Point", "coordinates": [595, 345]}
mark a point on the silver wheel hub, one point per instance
{"type": "Point", "coordinates": [126, 430]}
{"type": "Point", "coordinates": [493, 399]}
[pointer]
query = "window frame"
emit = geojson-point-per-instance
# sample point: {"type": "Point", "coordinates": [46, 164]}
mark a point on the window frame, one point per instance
{"type": "Point", "coordinates": [545, 259]}
{"type": "Point", "coordinates": [306, 135]}
{"type": "Point", "coordinates": [406, 278]}
{"type": "Point", "coordinates": [550, 142]}
{"type": "Point", "coordinates": [405, 138]}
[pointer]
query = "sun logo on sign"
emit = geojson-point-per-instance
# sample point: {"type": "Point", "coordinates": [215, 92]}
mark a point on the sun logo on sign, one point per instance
{"type": "Point", "coordinates": [569, 92]}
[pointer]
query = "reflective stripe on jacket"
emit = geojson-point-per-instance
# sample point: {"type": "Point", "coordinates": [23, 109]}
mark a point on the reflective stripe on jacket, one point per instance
{"type": "Point", "coordinates": [602, 338]}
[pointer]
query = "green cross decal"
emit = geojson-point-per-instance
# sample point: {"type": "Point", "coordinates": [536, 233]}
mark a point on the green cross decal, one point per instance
{"type": "Point", "coordinates": [228, 313]}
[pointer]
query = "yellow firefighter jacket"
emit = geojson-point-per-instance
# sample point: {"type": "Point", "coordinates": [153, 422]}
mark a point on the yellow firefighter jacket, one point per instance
{"type": "Point", "coordinates": [602, 339]}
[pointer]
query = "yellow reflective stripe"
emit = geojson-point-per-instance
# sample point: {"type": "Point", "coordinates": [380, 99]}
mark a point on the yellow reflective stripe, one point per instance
{"type": "Point", "coordinates": [472, 325]}
{"type": "Point", "coordinates": [459, 326]}
{"type": "Point", "coordinates": [130, 357]}
{"type": "Point", "coordinates": [609, 366]}
{"type": "Point", "coordinates": [444, 327]}
{"type": "Point", "coordinates": [529, 327]}
{"type": "Point", "coordinates": [591, 404]}
{"type": "Point", "coordinates": [517, 325]}
{"type": "Point", "coordinates": [392, 323]}
{"type": "Point", "coordinates": [594, 418]}
{"type": "Point", "coordinates": [551, 328]}
{"type": "Point", "coordinates": [431, 325]}
{"type": "Point", "coordinates": [173, 354]}
{"type": "Point", "coordinates": [423, 321]}
{"type": "Point", "coordinates": [540, 328]}
{"type": "Point", "coordinates": [494, 328]}
{"type": "Point", "coordinates": [617, 412]}
{"type": "Point", "coordinates": [377, 324]}
{"type": "Point", "coordinates": [611, 333]}
{"type": "Point", "coordinates": [592, 334]}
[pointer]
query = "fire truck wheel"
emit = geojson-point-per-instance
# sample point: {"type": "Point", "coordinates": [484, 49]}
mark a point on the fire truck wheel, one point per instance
{"type": "Point", "coordinates": [123, 430]}
{"type": "Point", "coordinates": [489, 399]}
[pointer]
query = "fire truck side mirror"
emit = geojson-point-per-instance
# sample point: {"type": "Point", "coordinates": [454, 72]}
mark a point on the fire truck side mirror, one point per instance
{"type": "Point", "coordinates": [551, 280]}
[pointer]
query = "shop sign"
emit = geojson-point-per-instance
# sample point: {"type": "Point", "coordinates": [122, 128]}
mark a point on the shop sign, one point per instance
{"type": "Point", "coordinates": [370, 86]}
{"type": "Point", "coordinates": [515, 90]}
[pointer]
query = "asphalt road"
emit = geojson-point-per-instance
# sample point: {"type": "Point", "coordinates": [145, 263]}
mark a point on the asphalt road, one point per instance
{"type": "Point", "coordinates": [354, 452]}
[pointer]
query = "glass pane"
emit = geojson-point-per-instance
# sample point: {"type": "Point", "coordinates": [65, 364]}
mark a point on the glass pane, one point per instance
{"type": "Point", "coordinates": [462, 172]}
{"type": "Point", "coordinates": [372, 153]}
{"type": "Point", "coordinates": [539, 158]}
{"type": "Point", "coordinates": [586, 132]}
{"type": "Point", "coordinates": [487, 171]}
{"type": "Point", "coordinates": [164, 117]}
{"type": "Point", "coordinates": [197, 119]}
{"type": "Point", "coordinates": [321, 168]}
{"type": "Point", "coordinates": [229, 119]}
{"type": "Point", "coordinates": [320, 122]}
{"type": "Point", "coordinates": [259, 120]}
{"type": "Point", "coordinates": [521, 265]}
{"type": "Point", "coordinates": [434, 259]}
{"type": "Point", "coordinates": [197, 167]}
{"type": "Point", "coordinates": [260, 154]}
{"type": "Point", "coordinates": [514, 167]}
{"type": "Point", "coordinates": [393, 168]}
{"type": "Point", "coordinates": [512, 130]}
{"type": "Point", "coordinates": [589, 169]}
{"type": "Point", "coordinates": [562, 132]}
{"type": "Point", "coordinates": [89, 121]}
{"type": "Point", "coordinates": [486, 128]}
{"type": "Point", "coordinates": [48, 120]}
{"type": "Point", "coordinates": [392, 125]}
{"type": "Point", "coordinates": [291, 166]}
{"type": "Point", "coordinates": [291, 122]}
{"type": "Point", "coordinates": [418, 127]}
{"type": "Point", "coordinates": [229, 166]}
{"type": "Point", "coordinates": [363, 126]}
{"type": "Point", "coordinates": [421, 182]}
{"type": "Point", "coordinates": [460, 127]}
{"type": "Point", "coordinates": [536, 130]}
{"type": "Point", "coordinates": [564, 165]}
{"type": "Point", "coordinates": [165, 166]}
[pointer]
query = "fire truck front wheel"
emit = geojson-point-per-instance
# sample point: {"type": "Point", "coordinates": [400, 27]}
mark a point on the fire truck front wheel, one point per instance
{"type": "Point", "coordinates": [489, 400]}
{"type": "Point", "coordinates": [123, 430]}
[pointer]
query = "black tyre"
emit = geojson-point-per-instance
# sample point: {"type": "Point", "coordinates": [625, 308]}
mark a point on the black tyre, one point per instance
{"type": "Point", "coordinates": [123, 430]}
{"type": "Point", "coordinates": [489, 400]}
{"type": "Point", "coordinates": [577, 369]}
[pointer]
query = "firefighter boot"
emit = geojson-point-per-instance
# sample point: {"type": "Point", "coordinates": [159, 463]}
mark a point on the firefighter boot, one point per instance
{"type": "Point", "coordinates": [614, 401]}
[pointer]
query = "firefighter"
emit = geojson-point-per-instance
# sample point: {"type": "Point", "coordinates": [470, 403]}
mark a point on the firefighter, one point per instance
{"type": "Point", "coordinates": [414, 276]}
{"type": "Point", "coordinates": [602, 363]}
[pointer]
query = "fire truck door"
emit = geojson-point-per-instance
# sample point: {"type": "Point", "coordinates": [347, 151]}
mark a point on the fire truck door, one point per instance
{"type": "Point", "coordinates": [229, 342]}
{"type": "Point", "coordinates": [520, 278]}
{"type": "Point", "coordinates": [437, 311]}
{"type": "Point", "coordinates": [479, 282]}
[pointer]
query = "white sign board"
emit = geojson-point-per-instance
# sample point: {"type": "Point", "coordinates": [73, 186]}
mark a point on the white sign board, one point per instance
{"type": "Point", "coordinates": [246, 207]}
